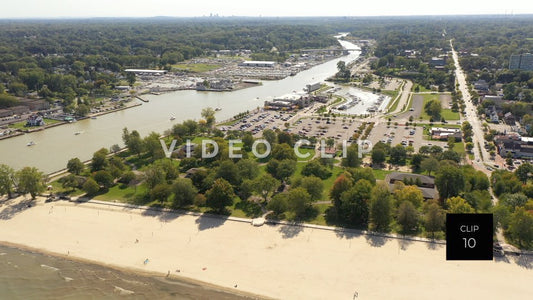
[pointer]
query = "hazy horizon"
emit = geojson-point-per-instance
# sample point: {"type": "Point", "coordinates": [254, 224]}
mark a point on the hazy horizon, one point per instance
{"type": "Point", "coordinates": [67, 9]}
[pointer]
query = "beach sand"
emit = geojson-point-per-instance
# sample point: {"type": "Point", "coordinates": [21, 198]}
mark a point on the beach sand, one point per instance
{"type": "Point", "coordinates": [281, 261]}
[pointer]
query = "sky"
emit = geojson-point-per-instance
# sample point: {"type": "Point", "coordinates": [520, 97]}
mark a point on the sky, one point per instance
{"type": "Point", "coordinates": [197, 8]}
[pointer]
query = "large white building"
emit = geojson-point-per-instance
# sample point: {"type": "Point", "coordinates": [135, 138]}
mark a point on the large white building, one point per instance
{"type": "Point", "coordinates": [258, 63]}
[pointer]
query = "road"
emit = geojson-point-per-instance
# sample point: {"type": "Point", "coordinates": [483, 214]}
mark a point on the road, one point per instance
{"type": "Point", "coordinates": [471, 116]}
{"type": "Point", "coordinates": [404, 98]}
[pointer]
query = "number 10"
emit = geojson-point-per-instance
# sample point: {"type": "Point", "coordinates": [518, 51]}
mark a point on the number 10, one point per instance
{"type": "Point", "coordinates": [470, 243]}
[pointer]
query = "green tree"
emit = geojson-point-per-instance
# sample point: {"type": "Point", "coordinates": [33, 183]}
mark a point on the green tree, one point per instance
{"type": "Point", "coordinates": [433, 108]}
{"type": "Point", "coordinates": [283, 152]}
{"type": "Point", "coordinates": [7, 175]}
{"type": "Point", "coordinates": [265, 185]}
{"type": "Point", "coordinates": [75, 166]}
{"type": "Point", "coordinates": [133, 141]}
{"type": "Point", "coordinates": [246, 189]}
{"type": "Point", "coordinates": [152, 145]}
{"type": "Point", "coordinates": [229, 171]}
{"type": "Point", "coordinates": [99, 160]}
{"type": "Point", "coordinates": [378, 156]}
{"type": "Point", "coordinates": [248, 168]}
{"type": "Point", "coordinates": [30, 180]}
{"type": "Point", "coordinates": [184, 192]}
{"type": "Point", "coordinates": [434, 218]}
{"type": "Point", "coordinates": [247, 141]}
{"type": "Point", "coordinates": [313, 185]}
{"type": "Point", "coordinates": [354, 204]}
{"type": "Point", "coordinates": [315, 168]}
{"type": "Point", "coordinates": [450, 181]}
{"type": "Point", "coordinates": [153, 176]}
{"type": "Point", "coordinates": [458, 205]}
{"type": "Point", "coordinates": [409, 193]}
{"type": "Point", "coordinates": [285, 169]}
{"type": "Point", "coordinates": [91, 187]}
{"type": "Point", "coordinates": [341, 185]}
{"type": "Point", "coordinates": [270, 136]}
{"type": "Point", "coordinates": [208, 114]}
{"type": "Point", "coordinates": [513, 201]}
{"type": "Point", "coordinates": [103, 178]}
{"type": "Point", "coordinates": [407, 216]}
{"type": "Point", "coordinates": [398, 155]}
{"type": "Point", "coordinates": [521, 227]}
{"type": "Point", "coordinates": [380, 209]}
{"type": "Point", "coordinates": [523, 171]}
{"type": "Point", "coordinates": [70, 181]}
{"type": "Point", "coordinates": [278, 204]}
{"type": "Point", "coordinates": [352, 159]}
{"type": "Point", "coordinates": [299, 202]}
{"type": "Point", "coordinates": [220, 195]}
{"type": "Point", "coordinates": [160, 192]}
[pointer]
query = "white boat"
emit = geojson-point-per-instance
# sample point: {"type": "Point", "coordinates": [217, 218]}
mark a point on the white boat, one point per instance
{"type": "Point", "coordinates": [30, 143]}
{"type": "Point", "coordinates": [172, 118]}
{"type": "Point", "coordinates": [94, 118]}
{"type": "Point", "coordinates": [218, 109]}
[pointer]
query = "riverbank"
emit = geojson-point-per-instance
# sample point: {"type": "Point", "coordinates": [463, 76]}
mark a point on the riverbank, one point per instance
{"type": "Point", "coordinates": [279, 261]}
{"type": "Point", "coordinates": [41, 128]}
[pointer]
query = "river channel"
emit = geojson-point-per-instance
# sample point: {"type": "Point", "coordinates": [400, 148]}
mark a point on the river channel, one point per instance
{"type": "Point", "coordinates": [55, 146]}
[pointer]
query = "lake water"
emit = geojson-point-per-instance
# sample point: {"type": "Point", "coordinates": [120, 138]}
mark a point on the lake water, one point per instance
{"type": "Point", "coordinates": [29, 275]}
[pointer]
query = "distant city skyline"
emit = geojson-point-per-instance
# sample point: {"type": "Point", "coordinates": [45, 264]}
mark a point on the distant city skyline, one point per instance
{"type": "Point", "coordinates": [136, 8]}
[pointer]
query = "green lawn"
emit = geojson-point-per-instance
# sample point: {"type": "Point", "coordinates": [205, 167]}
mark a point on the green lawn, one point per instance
{"type": "Point", "coordinates": [123, 193]}
{"type": "Point", "coordinates": [449, 115]}
{"type": "Point", "coordinates": [380, 173]}
{"type": "Point", "coordinates": [446, 113]}
{"type": "Point", "coordinates": [194, 68]}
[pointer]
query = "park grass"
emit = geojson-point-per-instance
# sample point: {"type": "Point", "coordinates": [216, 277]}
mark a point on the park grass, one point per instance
{"type": "Point", "coordinates": [320, 218]}
{"type": "Point", "coordinates": [380, 173]}
{"type": "Point", "coordinates": [194, 68]}
{"type": "Point", "coordinates": [58, 188]}
{"type": "Point", "coordinates": [123, 193]}
{"type": "Point", "coordinates": [450, 115]}
{"type": "Point", "coordinates": [305, 151]}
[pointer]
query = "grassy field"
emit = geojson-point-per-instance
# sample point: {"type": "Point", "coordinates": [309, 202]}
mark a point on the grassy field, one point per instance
{"type": "Point", "coordinates": [380, 174]}
{"type": "Point", "coordinates": [124, 193]}
{"type": "Point", "coordinates": [446, 113]}
{"type": "Point", "coordinates": [194, 68]}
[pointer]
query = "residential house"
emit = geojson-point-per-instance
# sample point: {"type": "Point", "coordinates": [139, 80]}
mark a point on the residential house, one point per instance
{"type": "Point", "coordinates": [481, 85]}
{"type": "Point", "coordinates": [509, 118]}
{"type": "Point", "coordinates": [518, 146]}
{"type": "Point", "coordinates": [35, 120]}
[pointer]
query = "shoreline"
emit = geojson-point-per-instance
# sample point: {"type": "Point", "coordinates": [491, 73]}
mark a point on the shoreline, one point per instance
{"type": "Point", "coordinates": [19, 132]}
{"type": "Point", "coordinates": [277, 261]}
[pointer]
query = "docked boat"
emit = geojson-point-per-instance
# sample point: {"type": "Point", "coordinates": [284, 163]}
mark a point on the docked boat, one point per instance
{"type": "Point", "coordinates": [94, 118]}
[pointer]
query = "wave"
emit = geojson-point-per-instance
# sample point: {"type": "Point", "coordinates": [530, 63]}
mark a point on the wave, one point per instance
{"type": "Point", "coordinates": [122, 291]}
{"type": "Point", "coordinates": [49, 268]}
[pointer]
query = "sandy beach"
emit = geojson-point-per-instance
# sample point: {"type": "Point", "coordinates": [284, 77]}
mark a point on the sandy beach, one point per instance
{"type": "Point", "coordinates": [286, 262]}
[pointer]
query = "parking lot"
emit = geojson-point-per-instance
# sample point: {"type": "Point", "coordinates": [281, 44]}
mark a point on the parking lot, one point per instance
{"type": "Point", "coordinates": [394, 135]}
{"type": "Point", "coordinates": [301, 123]}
